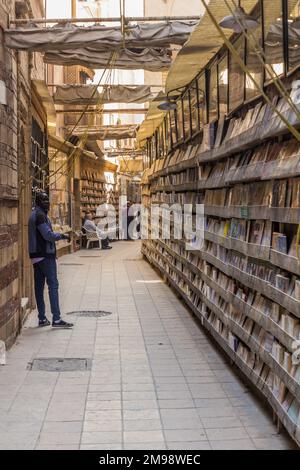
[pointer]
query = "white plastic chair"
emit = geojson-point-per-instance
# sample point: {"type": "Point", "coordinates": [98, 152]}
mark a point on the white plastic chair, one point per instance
{"type": "Point", "coordinates": [91, 236]}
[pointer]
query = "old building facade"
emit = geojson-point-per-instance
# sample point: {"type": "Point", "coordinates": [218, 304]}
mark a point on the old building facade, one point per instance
{"type": "Point", "coordinates": [19, 109]}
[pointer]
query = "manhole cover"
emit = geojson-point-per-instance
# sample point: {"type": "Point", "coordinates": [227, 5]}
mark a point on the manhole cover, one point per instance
{"type": "Point", "coordinates": [90, 313]}
{"type": "Point", "coordinates": [57, 364]}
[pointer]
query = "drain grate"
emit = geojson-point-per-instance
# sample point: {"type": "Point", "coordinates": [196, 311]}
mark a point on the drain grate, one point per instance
{"type": "Point", "coordinates": [90, 313]}
{"type": "Point", "coordinates": [57, 364]}
{"type": "Point", "coordinates": [90, 256]}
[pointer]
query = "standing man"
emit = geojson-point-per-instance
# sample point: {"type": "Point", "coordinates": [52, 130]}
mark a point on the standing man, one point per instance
{"type": "Point", "coordinates": [42, 252]}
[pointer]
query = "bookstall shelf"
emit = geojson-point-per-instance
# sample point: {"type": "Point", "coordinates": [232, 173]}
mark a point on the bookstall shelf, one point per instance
{"type": "Point", "coordinates": [95, 190]}
{"type": "Point", "coordinates": [256, 380]}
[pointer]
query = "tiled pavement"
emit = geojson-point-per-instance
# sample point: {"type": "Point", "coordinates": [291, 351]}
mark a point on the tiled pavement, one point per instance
{"type": "Point", "coordinates": [157, 381]}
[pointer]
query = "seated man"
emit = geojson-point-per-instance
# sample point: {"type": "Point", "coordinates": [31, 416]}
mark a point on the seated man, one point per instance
{"type": "Point", "coordinates": [90, 226]}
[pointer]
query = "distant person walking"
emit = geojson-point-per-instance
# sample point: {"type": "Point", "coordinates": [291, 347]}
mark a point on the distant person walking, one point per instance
{"type": "Point", "coordinates": [42, 251]}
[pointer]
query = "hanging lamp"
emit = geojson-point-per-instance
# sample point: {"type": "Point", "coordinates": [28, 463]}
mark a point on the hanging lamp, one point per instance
{"type": "Point", "coordinates": [167, 105]}
{"type": "Point", "coordinates": [239, 20]}
{"type": "Point", "coordinates": [170, 103]}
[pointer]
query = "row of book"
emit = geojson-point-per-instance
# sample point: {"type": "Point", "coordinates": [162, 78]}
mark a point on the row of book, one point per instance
{"type": "Point", "coordinates": [190, 175]}
{"type": "Point", "coordinates": [281, 160]}
{"type": "Point", "coordinates": [278, 314]}
{"type": "Point", "coordinates": [92, 199]}
{"type": "Point", "coordinates": [265, 340]}
{"type": "Point", "coordinates": [278, 193]}
{"type": "Point", "coordinates": [257, 232]}
{"type": "Point", "coordinates": [282, 280]}
{"type": "Point", "coordinates": [260, 121]}
{"type": "Point", "coordinates": [96, 185]}
{"type": "Point", "coordinates": [92, 176]}
{"type": "Point", "coordinates": [92, 191]}
{"type": "Point", "coordinates": [285, 154]}
{"type": "Point", "coordinates": [187, 197]}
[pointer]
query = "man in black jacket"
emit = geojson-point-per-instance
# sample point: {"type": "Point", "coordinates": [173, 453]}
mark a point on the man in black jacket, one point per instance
{"type": "Point", "coordinates": [42, 251]}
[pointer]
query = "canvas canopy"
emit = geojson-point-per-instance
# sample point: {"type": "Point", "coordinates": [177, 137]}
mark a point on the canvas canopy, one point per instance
{"type": "Point", "coordinates": [108, 132]}
{"type": "Point", "coordinates": [131, 166]}
{"type": "Point", "coordinates": [153, 119]}
{"type": "Point", "coordinates": [147, 59]}
{"type": "Point", "coordinates": [92, 95]}
{"type": "Point", "coordinates": [92, 146]}
{"type": "Point", "coordinates": [68, 36]}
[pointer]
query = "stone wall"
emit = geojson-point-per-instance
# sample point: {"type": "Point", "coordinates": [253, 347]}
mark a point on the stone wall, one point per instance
{"type": "Point", "coordinates": [16, 70]}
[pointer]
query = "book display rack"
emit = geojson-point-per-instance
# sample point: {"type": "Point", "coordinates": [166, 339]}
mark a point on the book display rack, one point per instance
{"type": "Point", "coordinates": [244, 284]}
{"type": "Point", "coordinates": [96, 188]}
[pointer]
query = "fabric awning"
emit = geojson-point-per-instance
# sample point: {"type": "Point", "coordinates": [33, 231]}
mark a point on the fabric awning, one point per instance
{"type": "Point", "coordinates": [92, 146]}
{"type": "Point", "coordinates": [131, 165]}
{"type": "Point", "coordinates": [147, 59]}
{"type": "Point", "coordinates": [82, 94]}
{"type": "Point", "coordinates": [68, 36]}
{"type": "Point", "coordinates": [117, 132]}
{"type": "Point", "coordinates": [152, 120]}
{"type": "Point", "coordinates": [47, 100]}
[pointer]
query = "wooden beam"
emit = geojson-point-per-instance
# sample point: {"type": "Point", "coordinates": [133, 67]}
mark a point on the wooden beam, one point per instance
{"type": "Point", "coordinates": [73, 9]}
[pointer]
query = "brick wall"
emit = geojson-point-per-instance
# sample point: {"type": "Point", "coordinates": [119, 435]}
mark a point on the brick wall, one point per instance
{"type": "Point", "coordinates": [16, 70]}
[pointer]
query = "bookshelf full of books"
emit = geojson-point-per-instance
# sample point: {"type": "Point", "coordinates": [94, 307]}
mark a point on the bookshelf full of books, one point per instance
{"type": "Point", "coordinates": [96, 189]}
{"type": "Point", "coordinates": [92, 191]}
{"type": "Point", "coordinates": [244, 282]}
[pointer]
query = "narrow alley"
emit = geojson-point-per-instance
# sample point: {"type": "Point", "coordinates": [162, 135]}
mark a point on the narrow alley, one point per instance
{"type": "Point", "coordinates": [156, 381]}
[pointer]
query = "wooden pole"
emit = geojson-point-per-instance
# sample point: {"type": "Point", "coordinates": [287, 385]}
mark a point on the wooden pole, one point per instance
{"type": "Point", "coordinates": [73, 9]}
{"type": "Point", "coordinates": [105, 20]}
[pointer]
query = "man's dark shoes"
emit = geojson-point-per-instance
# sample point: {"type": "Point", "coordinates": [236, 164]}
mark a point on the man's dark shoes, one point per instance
{"type": "Point", "coordinates": [44, 322]}
{"type": "Point", "coordinates": [62, 324]}
{"type": "Point", "coordinates": [107, 248]}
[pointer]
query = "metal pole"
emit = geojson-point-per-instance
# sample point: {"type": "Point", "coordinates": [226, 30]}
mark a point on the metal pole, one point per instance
{"type": "Point", "coordinates": [105, 111]}
{"type": "Point", "coordinates": [105, 20]}
{"type": "Point", "coordinates": [106, 85]}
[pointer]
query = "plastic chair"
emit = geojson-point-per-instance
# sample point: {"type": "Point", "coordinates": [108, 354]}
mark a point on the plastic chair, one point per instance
{"type": "Point", "coordinates": [91, 236]}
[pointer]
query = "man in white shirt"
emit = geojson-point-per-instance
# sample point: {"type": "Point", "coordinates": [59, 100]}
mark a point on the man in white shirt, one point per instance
{"type": "Point", "coordinates": [90, 226]}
